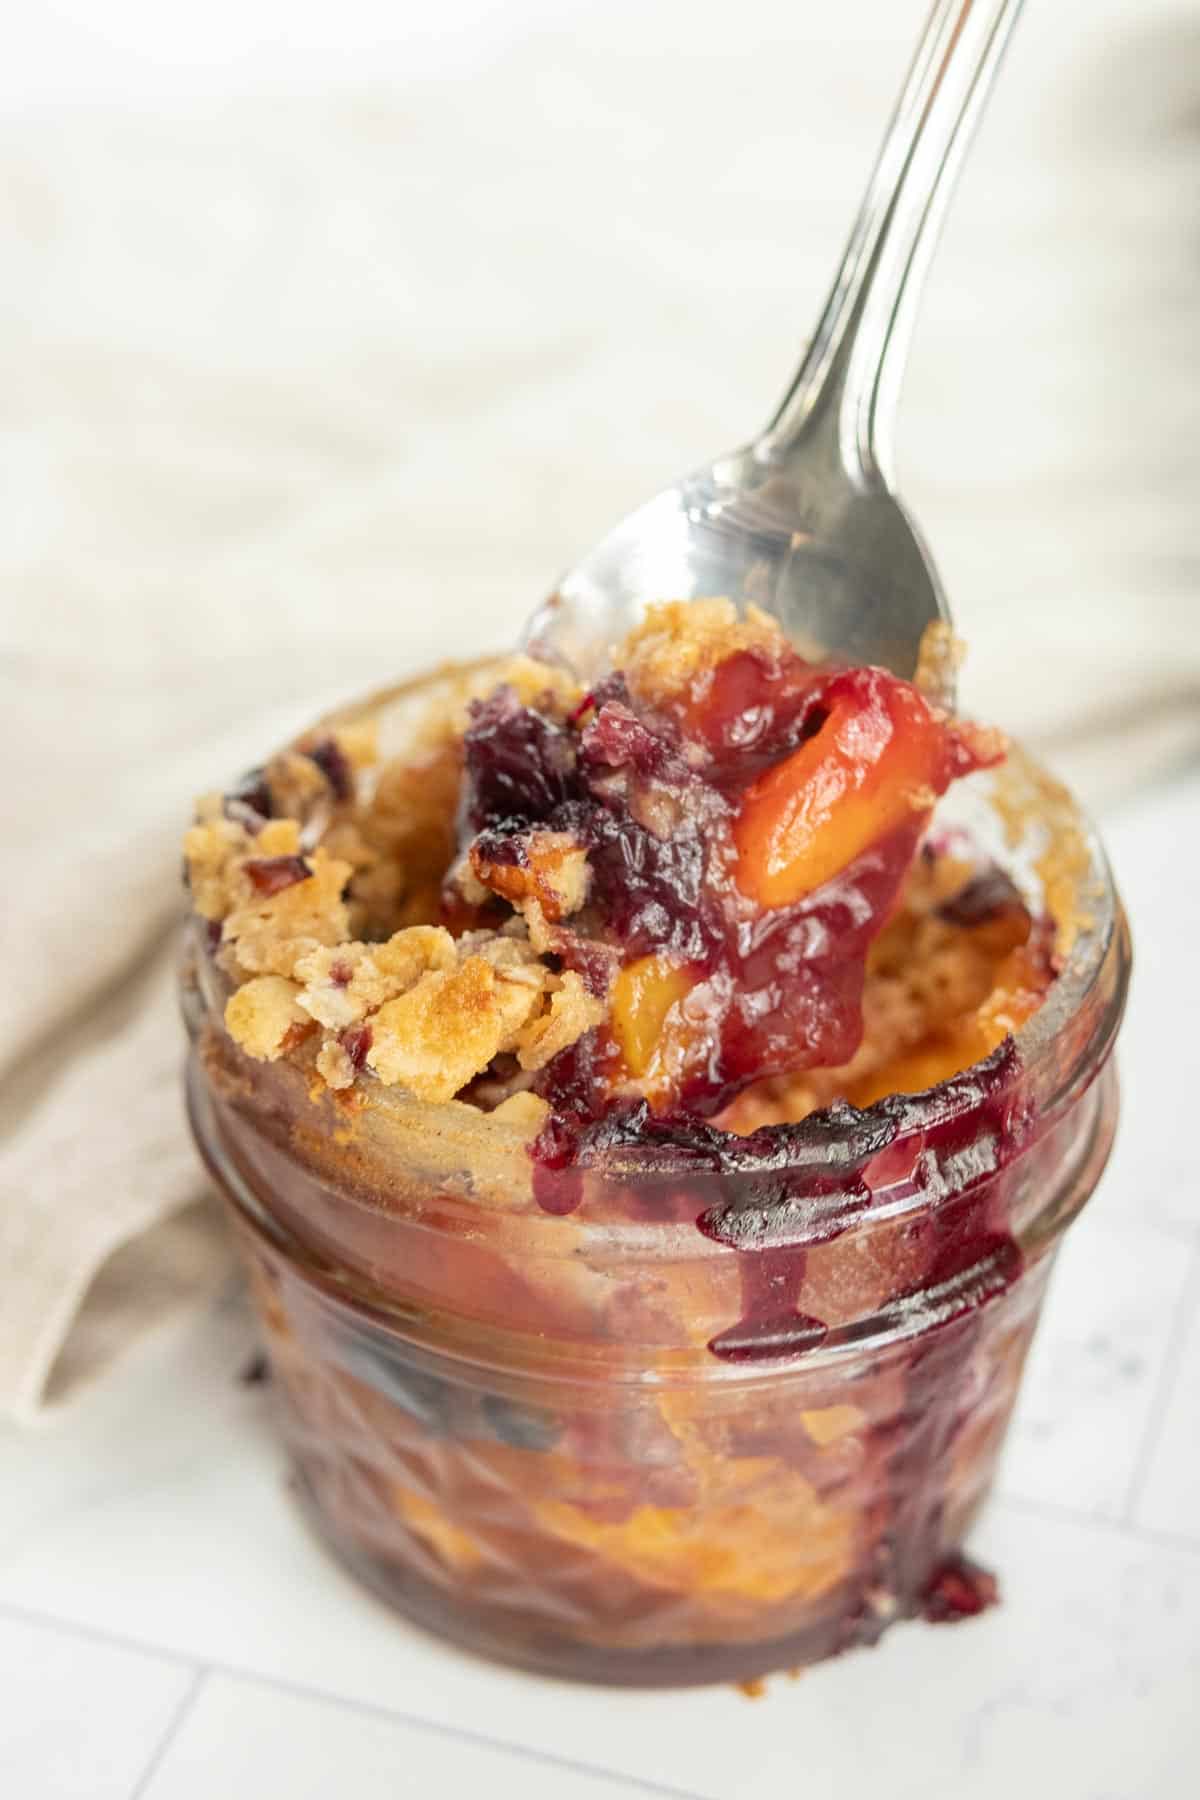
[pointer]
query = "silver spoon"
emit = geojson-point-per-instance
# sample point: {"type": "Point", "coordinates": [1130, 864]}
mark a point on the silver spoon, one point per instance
{"type": "Point", "coordinates": [803, 521]}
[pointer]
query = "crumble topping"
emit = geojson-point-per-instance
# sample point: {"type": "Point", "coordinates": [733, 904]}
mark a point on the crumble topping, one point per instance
{"type": "Point", "coordinates": [274, 926]}
{"type": "Point", "coordinates": [422, 1010]}
{"type": "Point", "coordinates": [939, 660]}
{"type": "Point", "coordinates": [265, 1017]}
{"type": "Point", "coordinates": [341, 986]}
{"type": "Point", "coordinates": [382, 916]}
{"type": "Point", "coordinates": [682, 640]}
{"type": "Point", "coordinates": [448, 1028]}
{"type": "Point", "coordinates": [417, 1007]}
{"type": "Point", "coordinates": [572, 1012]}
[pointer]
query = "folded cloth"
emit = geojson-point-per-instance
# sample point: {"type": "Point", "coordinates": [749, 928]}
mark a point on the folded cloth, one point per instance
{"type": "Point", "coordinates": [303, 392]}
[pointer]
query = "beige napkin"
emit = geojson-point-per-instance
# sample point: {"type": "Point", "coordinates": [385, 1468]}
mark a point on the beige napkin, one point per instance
{"type": "Point", "coordinates": [300, 393]}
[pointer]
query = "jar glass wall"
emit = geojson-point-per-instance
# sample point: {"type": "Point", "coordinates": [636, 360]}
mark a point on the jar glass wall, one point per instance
{"type": "Point", "coordinates": [736, 1409]}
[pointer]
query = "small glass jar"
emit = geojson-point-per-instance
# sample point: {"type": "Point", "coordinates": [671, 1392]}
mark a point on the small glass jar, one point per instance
{"type": "Point", "coordinates": [728, 1415]}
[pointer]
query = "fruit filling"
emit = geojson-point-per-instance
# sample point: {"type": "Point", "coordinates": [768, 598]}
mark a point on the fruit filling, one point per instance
{"type": "Point", "coordinates": [707, 890]}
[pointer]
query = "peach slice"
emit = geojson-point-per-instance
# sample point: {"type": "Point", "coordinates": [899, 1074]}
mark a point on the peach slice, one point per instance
{"type": "Point", "coordinates": [878, 761]}
{"type": "Point", "coordinates": [643, 995]}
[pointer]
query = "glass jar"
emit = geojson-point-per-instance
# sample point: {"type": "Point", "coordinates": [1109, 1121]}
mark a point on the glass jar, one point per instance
{"type": "Point", "coordinates": [732, 1412]}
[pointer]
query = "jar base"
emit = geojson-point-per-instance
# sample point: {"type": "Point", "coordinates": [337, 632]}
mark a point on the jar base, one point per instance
{"type": "Point", "coordinates": [670, 1666]}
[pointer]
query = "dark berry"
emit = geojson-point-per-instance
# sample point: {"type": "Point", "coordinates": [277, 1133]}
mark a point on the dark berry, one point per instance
{"type": "Point", "coordinates": [983, 899]}
{"type": "Point", "coordinates": [519, 764]}
{"type": "Point", "coordinates": [255, 1370]}
{"type": "Point", "coordinates": [958, 1589]}
{"type": "Point", "coordinates": [330, 758]}
{"type": "Point", "coordinates": [249, 800]}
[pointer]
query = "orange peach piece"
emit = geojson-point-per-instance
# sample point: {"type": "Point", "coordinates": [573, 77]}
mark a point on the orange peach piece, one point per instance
{"type": "Point", "coordinates": [643, 995]}
{"type": "Point", "coordinates": [877, 762]}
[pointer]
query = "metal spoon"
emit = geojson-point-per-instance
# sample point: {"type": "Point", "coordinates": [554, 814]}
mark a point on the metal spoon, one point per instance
{"type": "Point", "coordinates": [803, 521]}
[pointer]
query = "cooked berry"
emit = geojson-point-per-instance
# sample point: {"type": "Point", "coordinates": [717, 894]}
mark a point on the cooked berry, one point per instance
{"type": "Point", "coordinates": [958, 1589]}
{"type": "Point", "coordinates": [520, 765]}
{"type": "Point", "coordinates": [272, 874]}
{"type": "Point", "coordinates": [982, 900]}
{"type": "Point", "coordinates": [330, 758]}
{"type": "Point", "coordinates": [251, 795]}
{"type": "Point", "coordinates": [356, 1041]}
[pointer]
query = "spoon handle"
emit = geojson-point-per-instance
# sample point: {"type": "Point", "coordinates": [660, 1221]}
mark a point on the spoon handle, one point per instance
{"type": "Point", "coordinates": [846, 388]}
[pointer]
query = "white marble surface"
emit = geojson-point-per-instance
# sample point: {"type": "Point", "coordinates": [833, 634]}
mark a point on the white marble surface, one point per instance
{"type": "Point", "coordinates": [168, 1629]}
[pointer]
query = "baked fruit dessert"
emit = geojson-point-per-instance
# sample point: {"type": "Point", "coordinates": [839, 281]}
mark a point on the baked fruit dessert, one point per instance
{"type": "Point", "coordinates": [633, 1106]}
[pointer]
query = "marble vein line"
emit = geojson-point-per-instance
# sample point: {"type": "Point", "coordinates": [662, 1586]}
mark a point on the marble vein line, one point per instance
{"type": "Point", "coordinates": [482, 1740]}
{"type": "Point", "coordinates": [330, 1697]}
{"type": "Point", "coordinates": [1099, 1521]}
{"type": "Point", "coordinates": [183, 1708]}
{"type": "Point", "coordinates": [116, 1640]}
{"type": "Point", "coordinates": [1185, 1305]}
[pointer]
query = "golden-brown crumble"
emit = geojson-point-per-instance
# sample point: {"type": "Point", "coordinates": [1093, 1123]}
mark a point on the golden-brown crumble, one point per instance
{"type": "Point", "coordinates": [939, 659]}
{"type": "Point", "coordinates": [271, 933]}
{"type": "Point", "coordinates": [264, 1016]}
{"type": "Point", "coordinates": [681, 640]}
{"type": "Point", "coordinates": [325, 913]}
{"type": "Point", "coordinates": [450, 1026]}
{"type": "Point", "coordinates": [343, 985]}
{"type": "Point", "coordinates": [525, 1110]}
{"type": "Point", "coordinates": [572, 1011]}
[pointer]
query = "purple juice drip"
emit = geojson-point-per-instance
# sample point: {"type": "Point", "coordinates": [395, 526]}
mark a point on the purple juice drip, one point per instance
{"type": "Point", "coordinates": [771, 1325]}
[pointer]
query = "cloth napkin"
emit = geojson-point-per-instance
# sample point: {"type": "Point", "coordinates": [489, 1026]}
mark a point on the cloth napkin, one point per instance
{"type": "Point", "coordinates": [304, 391]}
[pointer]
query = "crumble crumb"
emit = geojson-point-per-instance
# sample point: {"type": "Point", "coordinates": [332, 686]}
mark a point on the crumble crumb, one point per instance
{"type": "Point", "coordinates": [448, 1028]}
{"type": "Point", "coordinates": [297, 784]}
{"type": "Point", "coordinates": [533, 682]}
{"type": "Point", "coordinates": [278, 837]}
{"type": "Point", "coordinates": [335, 1065]}
{"type": "Point", "coordinates": [542, 938]}
{"type": "Point", "coordinates": [269, 932]}
{"type": "Point", "coordinates": [527, 1111]}
{"type": "Point", "coordinates": [264, 1017]}
{"type": "Point", "coordinates": [209, 847]}
{"type": "Point", "coordinates": [552, 869]}
{"type": "Point", "coordinates": [358, 742]}
{"type": "Point", "coordinates": [345, 983]}
{"type": "Point", "coordinates": [681, 640]}
{"type": "Point", "coordinates": [939, 659]}
{"type": "Point", "coordinates": [572, 1012]}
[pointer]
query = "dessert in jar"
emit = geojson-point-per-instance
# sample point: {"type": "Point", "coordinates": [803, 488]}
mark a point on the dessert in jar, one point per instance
{"type": "Point", "coordinates": [649, 1116]}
